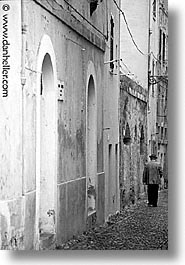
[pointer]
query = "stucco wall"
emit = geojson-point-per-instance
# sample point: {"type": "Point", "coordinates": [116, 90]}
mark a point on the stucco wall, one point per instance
{"type": "Point", "coordinates": [11, 201]}
{"type": "Point", "coordinates": [111, 116]}
{"type": "Point", "coordinates": [133, 150]}
{"type": "Point", "coordinates": [98, 17]}
{"type": "Point", "coordinates": [71, 52]}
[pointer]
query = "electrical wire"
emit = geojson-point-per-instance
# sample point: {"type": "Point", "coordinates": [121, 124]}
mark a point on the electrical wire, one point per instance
{"type": "Point", "coordinates": [129, 73]}
{"type": "Point", "coordinates": [129, 31]}
{"type": "Point", "coordinates": [131, 35]}
{"type": "Point", "coordinates": [122, 12]}
{"type": "Point", "coordinates": [165, 61]}
{"type": "Point", "coordinates": [125, 66]}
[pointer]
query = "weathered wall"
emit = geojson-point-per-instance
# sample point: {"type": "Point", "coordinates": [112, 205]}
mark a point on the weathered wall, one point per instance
{"type": "Point", "coordinates": [98, 18]}
{"type": "Point", "coordinates": [132, 140]}
{"type": "Point", "coordinates": [152, 88]}
{"type": "Point", "coordinates": [12, 224]}
{"type": "Point", "coordinates": [158, 87]}
{"type": "Point", "coordinates": [111, 115]}
{"type": "Point", "coordinates": [73, 47]}
{"type": "Point", "coordinates": [162, 89]}
{"type": "Point", "coordinates": [11, 201]}
{"type": "Point", "coordinates": [73, 54]}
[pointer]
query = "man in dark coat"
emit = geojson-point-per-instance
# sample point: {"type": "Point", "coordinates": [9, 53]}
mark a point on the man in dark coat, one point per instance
{"type": "Point", "coordinates": [152, 177]}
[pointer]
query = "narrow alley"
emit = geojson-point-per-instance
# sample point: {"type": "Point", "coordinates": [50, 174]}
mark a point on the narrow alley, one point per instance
{"type": "Point", "coordinates": [137, 227]}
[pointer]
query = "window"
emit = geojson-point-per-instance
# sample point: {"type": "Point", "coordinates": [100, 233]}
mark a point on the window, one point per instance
{"type": "Point", "coordinates": [162, 131]}
{"type": "Point", "coordinates": [41, 85]}
{"type": "Point", "coordinates": [153, 73]}
{"type": "Point", "coordinates": [127, 137]}
{"type": "Point", "coordinates": [165, 133]}
{"type": "Point", "coordinates": [164, 48]}
{"type": "Point", "coordinates": [159, 130]}
{"type": "Point", "coordinates": [158, 107]}
{"type": "Point", "coordinates": [111, 43]}
{"type": "Point", "coordinates": [161, 160]}
{"type": "Point", "coordinates": [160, 42]}
{"type": "Point", "coordinates": [135, 133]}
{"type": "Point", "coordinates": [142, 138]}
{"type": "Point", "coordinates": [154, 9]}
{"type": "Point", "coordinates": [93, 6]}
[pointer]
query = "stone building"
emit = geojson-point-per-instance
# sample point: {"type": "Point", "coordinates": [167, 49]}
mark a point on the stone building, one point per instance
{"type": "Point", "coordinates": [162, 100]}
{"type": "Point", "coordinates": [143, 91]}
{"type": "Point", "coordinates": [133, 139]}
{"type": "Point", "coordinates": [59, 130]}
{"type": "Point", "coordinates": [133, 98]}
{"type": "Point", "coordinates": [158, 83]}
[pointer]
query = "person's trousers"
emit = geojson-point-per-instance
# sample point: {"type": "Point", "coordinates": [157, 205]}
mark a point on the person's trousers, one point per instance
{"type": "Point", "coordinates": [153, 194]}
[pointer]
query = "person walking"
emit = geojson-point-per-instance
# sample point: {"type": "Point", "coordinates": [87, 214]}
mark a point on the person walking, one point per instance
{"type": "Point", "coordinates": [152, 177]}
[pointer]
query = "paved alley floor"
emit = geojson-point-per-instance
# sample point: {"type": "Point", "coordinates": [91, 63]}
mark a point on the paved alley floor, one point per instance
{"type": "Point", "coordinates": [138, 227]}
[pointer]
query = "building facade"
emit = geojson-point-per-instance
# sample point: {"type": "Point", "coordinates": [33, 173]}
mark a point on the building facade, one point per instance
{"type": "Point", "coordinates": [143, 92]}
{"type": "Point", "coordinates": [133, 98]}
{"type": "Point", "coordinates": [133, 139]}
{"type": "Point", "coordinates": [158, 83]}
{"type": "Point", "coordinates": [59, 120]}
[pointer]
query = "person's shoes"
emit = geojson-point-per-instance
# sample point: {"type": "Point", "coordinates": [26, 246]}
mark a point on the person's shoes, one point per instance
{"type": "Point", "coordinates": [150, 205]}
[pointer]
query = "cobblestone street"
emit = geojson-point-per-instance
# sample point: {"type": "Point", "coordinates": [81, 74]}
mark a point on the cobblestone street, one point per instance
{"type": "Point", "coordinates": [138, 227]}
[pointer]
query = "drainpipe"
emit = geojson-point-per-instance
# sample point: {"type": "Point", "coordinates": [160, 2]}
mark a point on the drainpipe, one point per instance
{"type": "Point", "coordinates": [149, 39]}
{"type": "Point", "coordinates": [23, 82]}
{"type": "Point", "coordinates": [118, 157]}
{"type": "Point", "coordinates": [149, 48]}
{"type": "Point", "coordinates": [23, 26]}
{"type": "Point", "coordinates": [149, 33]}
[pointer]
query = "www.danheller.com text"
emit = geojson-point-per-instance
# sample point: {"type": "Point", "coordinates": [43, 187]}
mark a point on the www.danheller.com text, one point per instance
{"type": "Point", "coordinates": [5, 8]}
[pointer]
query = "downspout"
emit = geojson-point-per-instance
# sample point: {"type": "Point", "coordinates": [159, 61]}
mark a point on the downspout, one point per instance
{"type": "Point", "coordinates": [119, 144]}
{"type": "Point", "coordinates": [107, 20]}
{"type": "Point", "coordinates": [149, 39]}
{"type": "Point", "coordinates": [23, 82]}
{"type": "Point", "coordinates": [149, 48]}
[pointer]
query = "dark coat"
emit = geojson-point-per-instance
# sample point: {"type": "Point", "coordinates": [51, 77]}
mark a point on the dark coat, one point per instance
{"type": "Point", "coordinates": [152, 173]}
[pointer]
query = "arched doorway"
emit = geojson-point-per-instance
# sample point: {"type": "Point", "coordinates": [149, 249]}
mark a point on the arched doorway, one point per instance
{"type": "Point", "coordinates": [47, 148]}
{"type": "Point", "coordinates": [46, 145]}
{"type": "Point", "coordinates": [91, 147]}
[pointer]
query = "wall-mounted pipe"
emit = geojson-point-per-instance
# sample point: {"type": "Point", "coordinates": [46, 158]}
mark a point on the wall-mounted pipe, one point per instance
{"type": "Point", "coordinates": [23, 82]}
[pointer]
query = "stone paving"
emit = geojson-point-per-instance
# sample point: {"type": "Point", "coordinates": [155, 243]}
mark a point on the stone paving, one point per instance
{"type": "Point", "coordinates": [137, 227]}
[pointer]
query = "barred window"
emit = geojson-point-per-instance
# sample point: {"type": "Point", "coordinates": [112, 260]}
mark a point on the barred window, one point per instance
{"type": "Point", "coordinates": [154, 9]}
{"type": "Point", "coordinates": [111, 43]}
